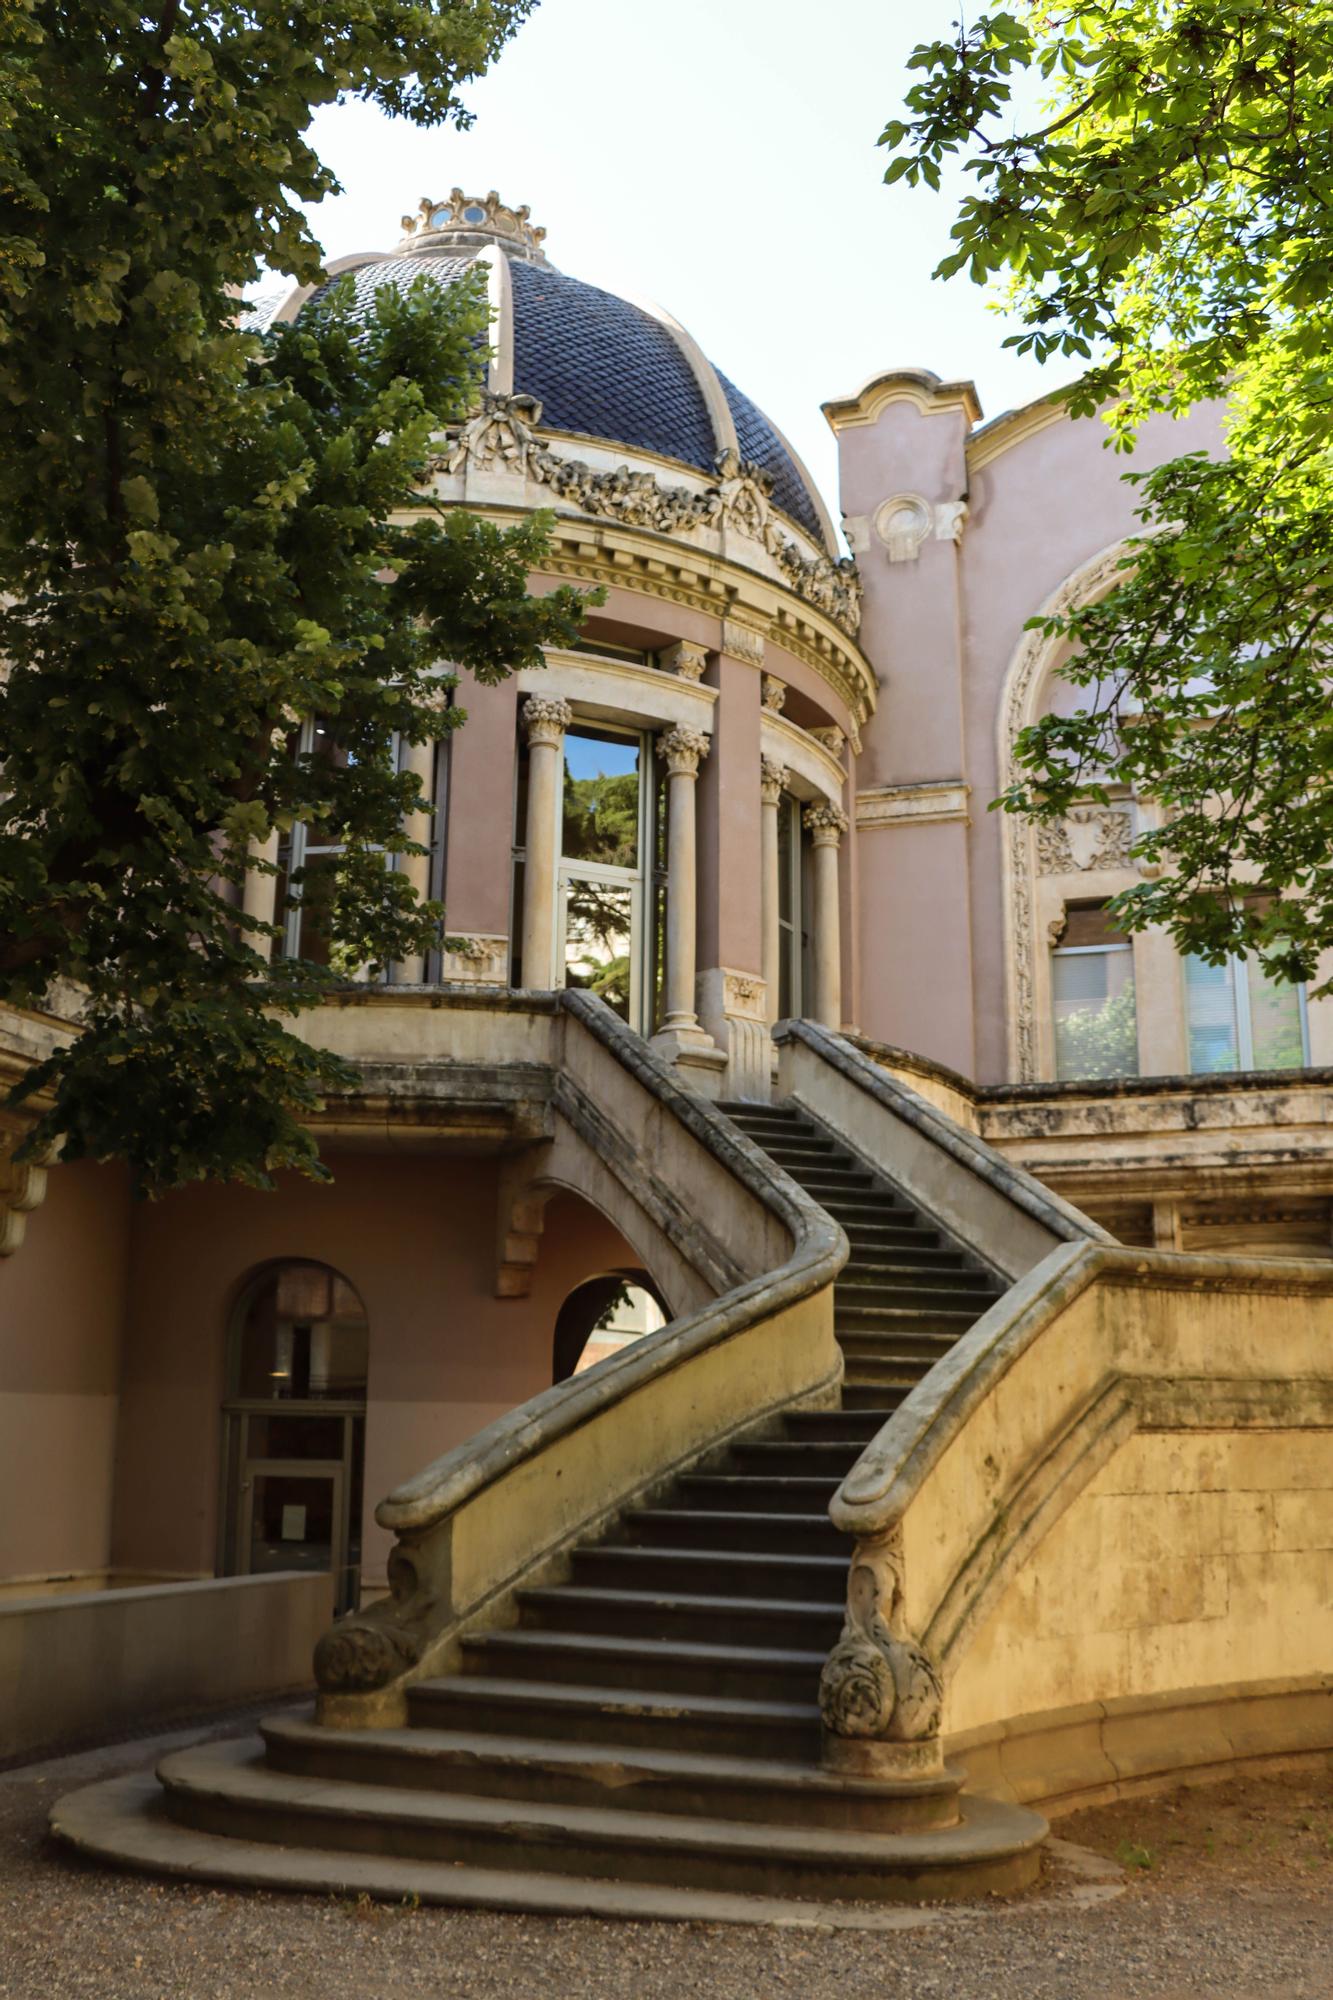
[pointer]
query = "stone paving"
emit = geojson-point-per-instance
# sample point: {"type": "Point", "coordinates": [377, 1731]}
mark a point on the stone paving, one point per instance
{"type": "Point", "coordinates": [1225, 1893]}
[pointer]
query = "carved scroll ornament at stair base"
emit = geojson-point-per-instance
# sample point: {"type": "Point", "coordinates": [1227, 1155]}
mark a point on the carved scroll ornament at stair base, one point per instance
{"type": "Point", "coordinates": [363, 1652]}
{"type": "Point", "coordinates": [503, 435]}
{"type": "Point", "coordinates": [880, 1694]}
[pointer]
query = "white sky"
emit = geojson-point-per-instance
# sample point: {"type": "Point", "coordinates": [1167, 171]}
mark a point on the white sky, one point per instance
{"type": "Point", "coordinates": [719, 157]}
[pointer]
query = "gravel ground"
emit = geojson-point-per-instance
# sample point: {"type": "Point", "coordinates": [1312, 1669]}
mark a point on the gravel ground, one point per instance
{"type": "Point", "coordinates": [1229, 1896]}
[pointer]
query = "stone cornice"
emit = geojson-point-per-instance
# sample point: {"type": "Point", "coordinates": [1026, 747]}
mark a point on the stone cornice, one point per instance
{"type": "Point", "coordinates": [591, 552]}
{"type": "Point", "coordinates": [898, 805]}
{"type": "Point", "coordinates": [1012, 429]}
{"type": "Point", "coordinates": [919, 387]}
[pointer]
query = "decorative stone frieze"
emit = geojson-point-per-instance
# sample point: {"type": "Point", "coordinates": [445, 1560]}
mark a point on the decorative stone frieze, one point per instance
{"type": "Point", "coordinates": [546, 718]}
{"type": "Point", "coordinates": [503, 435]}
{"type": "Point", "coordinates": [1089, 837]}
{"type": "Point", "coordinates": [825, 823]}
{"type": "Point", "coordinates": [742, 642]}
{"type": "Point", "coordinates": [881, 1696]}
{"type": "Point", "coordinates": [475, 961]}
{"type": "Point", "coordinates": [683, 749]}
{"type": "Point", "coordinates": [686, 660]}
{"type": "Point", "coordinates": [774, 694]}
{"type": "Point", "coordinates": [772, 780]}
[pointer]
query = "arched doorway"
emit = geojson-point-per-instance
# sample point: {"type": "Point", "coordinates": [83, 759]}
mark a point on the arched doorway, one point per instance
{"type": "Point", "coordinates": [293, 1427]}
{"type": "Point", "coordinates": [602, 1315]}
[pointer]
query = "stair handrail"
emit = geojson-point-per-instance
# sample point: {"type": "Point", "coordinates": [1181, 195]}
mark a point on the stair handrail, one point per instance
{"type": "Point", "coordinates": [365, 1661]}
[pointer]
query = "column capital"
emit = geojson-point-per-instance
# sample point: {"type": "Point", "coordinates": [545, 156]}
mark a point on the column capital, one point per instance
{"type": "Point", "coordinates": [830, 736]}
{"type": "Point", "coordinates": [546, 718]}
{"type": "Point", "coordinates": [686, 660]}
{"type": "Point", "coordinates": [826, 823]}
{"type": "Point", "coordinates": [773, 694]}
{"type": "Point", "coordinates": [772, 780]}
{"type": "Point", "coordinates": [684, 750]}
{"type": "Point", "coordinates": [743, 642]}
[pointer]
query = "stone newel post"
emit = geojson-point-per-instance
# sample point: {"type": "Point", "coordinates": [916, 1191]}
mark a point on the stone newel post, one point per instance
{"type": "Point", "coordinates": [771, 786]}
{"type": "Point", "coordinates": [419, 759]}
{"type": "Point", "coordinates": [827, 825]}
{"type": "Point", "coordinates": [683, 750]}
{"type": "Point", "coordinates": [545, 721]}
{"type": "Point", "coordinates": [259, 897]}
{"type": "Point", "coordinates": [880, 1695]}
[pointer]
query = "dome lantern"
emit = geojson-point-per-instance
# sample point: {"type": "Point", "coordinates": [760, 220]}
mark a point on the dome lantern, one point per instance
{"type": "Point", "coordinates": [471, 222]}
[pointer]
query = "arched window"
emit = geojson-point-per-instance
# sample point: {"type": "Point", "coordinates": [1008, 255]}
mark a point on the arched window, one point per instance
{"type": "Point", "coordinates": [294, 1426]}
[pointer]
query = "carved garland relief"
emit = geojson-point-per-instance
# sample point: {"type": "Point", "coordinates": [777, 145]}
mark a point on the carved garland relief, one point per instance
{"type": "Point", "coordinates": [504, 434]}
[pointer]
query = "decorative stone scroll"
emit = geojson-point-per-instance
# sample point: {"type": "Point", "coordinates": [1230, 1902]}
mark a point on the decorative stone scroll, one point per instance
{"type": "Point", "coordinates": [774, 695]}
{"type": "Point", "coordinates": [546, 718]}
{"type": "Point", "coordinates": [880, 1694]}
{"type": "Point", "coordinates": [503, 435]}
{"type": "Point", "coordinates": [825, 823]}
{"type": "Point", "coordinates": [772, 780]}
{"type": "Point", "coordinates": [831, 737]}
{"type": "Point", "coordinates": [683, 749]}
{"type": "Point", "coordinates": [687, 661]}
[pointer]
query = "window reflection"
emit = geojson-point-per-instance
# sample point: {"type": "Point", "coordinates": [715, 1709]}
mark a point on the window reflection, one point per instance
{"type": "Point", "coordinates": [1092, 995]}
{"type": "Point", "coordinates": [304, 1338]}
{"type": "Point", "coordinates": [600, 816]}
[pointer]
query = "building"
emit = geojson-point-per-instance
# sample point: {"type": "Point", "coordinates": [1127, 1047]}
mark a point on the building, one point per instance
{"type": "Point", "coordinates": [755, 793]}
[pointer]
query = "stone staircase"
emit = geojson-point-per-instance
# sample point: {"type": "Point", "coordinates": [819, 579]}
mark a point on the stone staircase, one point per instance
{"type": "Point", "coordinates": [646, 1738]}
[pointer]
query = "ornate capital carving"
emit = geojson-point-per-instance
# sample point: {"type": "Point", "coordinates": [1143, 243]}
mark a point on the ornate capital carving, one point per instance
{"type": "Point", "coordinates": [546, 718]}
{"type": "Point", "coordinates": [1090, 837]}
{"type": "Point", "coordinates": [772, 781]}
{"type": "Point", "coordinates": [831, 737]}
{"type": "Point", "coordinates": [774, 694]}
{"type": "Point", "coordinates": [684, 749]}
{"type": "Point", "coordinates": [686, 660]}
{"type": "Point", "coordinates": [877, 1682]}
{"type": "Point", "coordinates": [826, 823]}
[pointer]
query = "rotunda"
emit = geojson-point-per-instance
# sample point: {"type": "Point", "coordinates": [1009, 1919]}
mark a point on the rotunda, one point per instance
{"type": "Point", "coordinates": [659, 814]}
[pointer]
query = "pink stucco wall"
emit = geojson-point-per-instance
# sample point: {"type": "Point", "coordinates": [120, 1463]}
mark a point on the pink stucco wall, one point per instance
{"type": "Point", "coordinates": [62, 1308]}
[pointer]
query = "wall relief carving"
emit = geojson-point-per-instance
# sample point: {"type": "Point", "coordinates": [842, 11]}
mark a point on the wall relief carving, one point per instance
{"type": "Point", "coordinates": [1091, 837]}
{"type": "Point", "coordinates": [503, 436]}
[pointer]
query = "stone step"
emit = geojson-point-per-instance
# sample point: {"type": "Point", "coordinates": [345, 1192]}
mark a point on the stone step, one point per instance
{"type": "Point", "coordinates": [781, 1673]}
{"type": "Point", "coordinates": [896, 1341]}
{"type": "Point", "coordinates": [880, 1376]}
{"type": "Point", "coordinates": [730, 1573]}
{"type": "Point", "coordinates": [638, 1717]}
{"type": "Point", "coordinates": [703, 1527]}
{"type": "Point", "coordinates": [680, 1614]}
{"type": "Point", "coordinates": [224, 1788]}
{"type": "Point", "coordinates": [784, 1455]}
{"type": "Point", "coordinates": [911, 1319]}
{"type": "Point", "coordinates": [782, 1792]}
{"type": "Point", "coordinates": [943, 1273]}
{"type": "Point", "coordinates": [858, 1291]}
{"type": "Point", "coordinates": [826, 1426]}
{"type": "Point", "coordinates": [870, 1395]}
{"type": "Point", "coordinates": [879, 1243]}
{"type": "Point", "coordinates": [801, 1494]}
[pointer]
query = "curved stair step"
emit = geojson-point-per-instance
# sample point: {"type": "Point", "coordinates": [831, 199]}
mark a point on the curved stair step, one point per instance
{"type": "Point", "coordinates": [736, 1529]}
{"type": "Point", "coordinates": [225, 1788]}
{"type": "Point", "coordinates": [721, 1572]}
{"type": "Point", "coordinates": [608, 1777]}
{"type": "Point", "coordinates": [794, 1491]}
{"type": "Point", "coordinates": [682, 1614]}
{"type": "Point", "coordinates": [640, 1717]}
{"type": "Point", "coordinates": [770, 1673]}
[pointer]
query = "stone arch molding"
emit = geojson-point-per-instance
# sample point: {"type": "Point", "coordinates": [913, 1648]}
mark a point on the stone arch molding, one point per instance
{"type": "Point", "coordinates": [1032, 661]}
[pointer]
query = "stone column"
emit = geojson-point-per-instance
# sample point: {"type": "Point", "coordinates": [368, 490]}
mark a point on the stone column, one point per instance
{"type": "Point", "coordinates": [419, 759]}
{"type": "Point", "coordinates": [683, 750]}
{"type": "Point", "coordinates": [545, 721]}
{"type": "Point", "coordinates": [259, 897]}
{"type": "Point", "coordinates": [772, 784]}
{"type": "Point", "coordinates": [827, 825]}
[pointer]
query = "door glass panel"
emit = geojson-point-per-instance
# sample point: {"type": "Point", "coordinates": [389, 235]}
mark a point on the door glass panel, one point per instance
{"type": "Point", "coordinates": [292, 1520]}
{"type": "Point", "coordinates": [295, 1436]}
{"type": "Point", "coordinates": [1210, 993]}
{"type": "Point", "coordinates": [600, 816]}
{"type": "Point", "coordinates": [304, 1338]}
{"type": "Point", "coordinates": [1275, 1020]}
{"type": "Point", "coordinates": [599, 931]}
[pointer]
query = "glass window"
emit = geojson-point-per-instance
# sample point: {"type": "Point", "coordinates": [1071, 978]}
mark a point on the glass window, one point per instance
{"type": "Point", "coordinates": [304, 1338]}
{"type": "Point", "coordinates": [600, 817]}
{"type": "Point", "coordinates": [792, 939]}
{"type": "Point", "coordinates": [1241, 1018]}
{"type": "Point", "coordinates": [1092, 998]}
{"type": "Point", "coordinates": [599, 939]}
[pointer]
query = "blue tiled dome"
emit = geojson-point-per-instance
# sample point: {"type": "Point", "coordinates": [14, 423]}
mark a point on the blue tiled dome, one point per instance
{"type": "Point", "coordinates": [601, 367]}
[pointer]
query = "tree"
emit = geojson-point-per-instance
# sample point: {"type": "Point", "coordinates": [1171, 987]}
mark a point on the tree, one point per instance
{"type": "Point", "coordinates": [206, 536]}
{"type": "Point", "coordinates": [1167, 219]}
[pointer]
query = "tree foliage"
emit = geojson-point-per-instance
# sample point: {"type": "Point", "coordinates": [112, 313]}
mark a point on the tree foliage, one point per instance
{"type": "Point", "coordinates": [206, 536]}
{"type": "Point", "coordinates": [1167, 220]}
